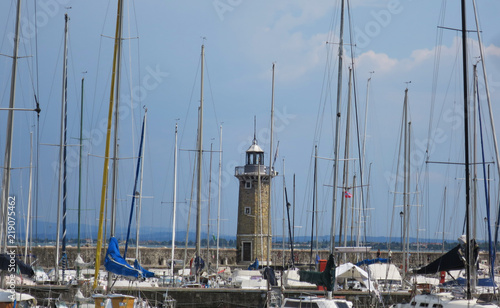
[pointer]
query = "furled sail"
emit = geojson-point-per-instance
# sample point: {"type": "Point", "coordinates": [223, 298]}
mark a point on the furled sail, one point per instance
{"type": "Point", "coordinates": [115, 263]}
{"type": "Point", "coordinates": [324, 279]}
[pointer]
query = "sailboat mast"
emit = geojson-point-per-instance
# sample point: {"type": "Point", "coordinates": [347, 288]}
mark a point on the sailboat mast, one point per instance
{"type": "Point", "coordinates": [269, 229]}
{"type": "Point", "coordinates": [345, 178]}
{"type": "Point", "coordinates": [200, 153]}
{"type": "Point", "coordinates": [115, 72]}
{"type": "Point", "coordinates": [114, 178]}
{"type": "Point", "coordinates": [284, 218]}
{"type": "Point", "coordinates": [466, 139]}
{"type": "Point", "coordinates": [444, 219]}
{"type": "Point", "coordinates": [80, 178]}
{"type": "Point", "coordinates": [487, 88]}
{"type": "Point", "coordinates": [337, 128]}
{"type": "Point", "coordinates": [405, 183]}
{"type": "Point", "coordinates": [219, 197]}
{"type": "Point", "coordinates": [209, 203]}
{"type": "Point", "coordinates": [361, 195]}
{"type": "Point", "coordinates": [474, 152]}
{"type": "Point", "coordinates": [8, 140]}
{"type": "Point", "coordinates": [175, 204]}
{"type": "Point", "coordinates": [61, 189]}
{"type": "Point", "coordinates": [139, 202]}
{"type": "Point", "coordinates": [314, 201]}
{"type": "Point", "coordinates": [29, 202]}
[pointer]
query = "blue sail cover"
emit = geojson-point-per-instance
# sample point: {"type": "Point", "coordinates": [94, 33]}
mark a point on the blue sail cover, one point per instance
{"type": "Point", "coordinates": [115, 263]}
{"type": "Point", "coordinates": [372, 261]}
{"type": "Point", "coordinates": [145, 272]}
{"type": "Point", "coordinates": [481, 282]}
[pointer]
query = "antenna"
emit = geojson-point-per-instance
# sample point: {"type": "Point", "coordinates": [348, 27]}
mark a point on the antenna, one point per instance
{"type": "Point", "coordinates": [254, 129]}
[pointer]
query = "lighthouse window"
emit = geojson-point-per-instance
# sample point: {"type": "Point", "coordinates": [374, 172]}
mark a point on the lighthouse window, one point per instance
{"type": "Point", "coordinates": [248, 210]}
{"type": "Point", "coordinates": [248, 185]}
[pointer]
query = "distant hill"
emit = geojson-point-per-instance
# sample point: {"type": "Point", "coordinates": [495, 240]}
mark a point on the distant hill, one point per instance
{"type": "Point", "coordinates": [47, 231]}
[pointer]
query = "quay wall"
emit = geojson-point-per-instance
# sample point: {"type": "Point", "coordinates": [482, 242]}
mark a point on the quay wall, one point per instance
{"type": "Point", "coordinates": [159, 257]}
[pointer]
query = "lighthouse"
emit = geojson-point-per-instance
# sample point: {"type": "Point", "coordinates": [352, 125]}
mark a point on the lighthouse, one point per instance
{"type": "Point", "coordinates": [253, 229]}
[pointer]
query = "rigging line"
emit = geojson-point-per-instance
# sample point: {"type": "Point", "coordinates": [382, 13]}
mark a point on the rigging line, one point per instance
{"type": "Point", "coordinates": [7, 22]}
{"type": "Point", "coordinates": [45, 115]}
{"type": "Point", "coordinates": [437, 57]}
{"type": "Point", "coordinates": [326, 90]}
{"type": "Point", "coordinates": [135, 124]}
{"type": "Point", "coordinates": [75, 84]}
{"type": "Point", "coordinates": [396, 180]}
{"type": "Point", "coordinates": [486, 184]}
{"type": "Point", "coordinates": [29, 67]}
{"type": "Point", "coordinates": [211, 94]}
{"type": "Point", "coordinates": [132, 133]}
{"type": "Point", "coordinates": [191, 99]}
{"type": "Point", "coordinates": [101, 104]}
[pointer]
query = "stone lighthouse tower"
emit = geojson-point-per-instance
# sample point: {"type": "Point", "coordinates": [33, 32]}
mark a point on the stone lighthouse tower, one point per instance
{"type": "Point", "coordinates": [253, 206]}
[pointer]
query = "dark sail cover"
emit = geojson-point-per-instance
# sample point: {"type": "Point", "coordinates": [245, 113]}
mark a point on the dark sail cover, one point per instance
{"type": "Point", "coordinates": [145, 272]}
{"type": "Point", "coordinates": [321, 279]}
{"type": "Point", "coordinates": [115, 263]}
{"type": "Point", "coordinates": [20, 266]}
{"type": "Point", "coordinates": [452, 260]}
{"type": "Point", "coordinates": [270, 276]}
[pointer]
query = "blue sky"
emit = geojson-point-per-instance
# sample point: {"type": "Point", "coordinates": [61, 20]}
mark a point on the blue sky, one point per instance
{"type": "Point", "coordinates": [398, 40]}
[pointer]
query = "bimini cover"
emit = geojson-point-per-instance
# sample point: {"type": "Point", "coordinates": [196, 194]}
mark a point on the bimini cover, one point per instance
{"type": "Point", "coordinates": [115, 263]}
{"type": "Point", "coordinates": [350, 271]}
{"type": "Point", "coordinates": [387, 271]}
{"type": "Point", "coordinates": [145, 272]}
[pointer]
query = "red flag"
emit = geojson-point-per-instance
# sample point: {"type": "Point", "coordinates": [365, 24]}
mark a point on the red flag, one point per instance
{"type": "Point", "coordinates": [347, 194]}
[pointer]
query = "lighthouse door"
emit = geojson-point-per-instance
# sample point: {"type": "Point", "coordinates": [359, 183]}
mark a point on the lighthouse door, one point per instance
{"type": "Point", "coordinates": [247, 251]}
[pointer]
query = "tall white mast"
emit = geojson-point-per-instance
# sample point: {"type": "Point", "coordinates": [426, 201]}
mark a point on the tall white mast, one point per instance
{"type": "Point", "coordinates": [219, 197]}
{"type": "Point", "coordinates": [358, 236]}
{"type": "Point", "coordinates": [209, 201]}
{"type": "Point", "coordinates": [269, 229]}
{"type": "Point", "coordinates": [175, 203]}
{"type": "Point", "coordinates": [29, 202]}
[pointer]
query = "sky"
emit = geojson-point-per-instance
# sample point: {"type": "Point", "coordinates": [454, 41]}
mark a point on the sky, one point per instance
{"type": "Point", "coordinates": [398, 43]}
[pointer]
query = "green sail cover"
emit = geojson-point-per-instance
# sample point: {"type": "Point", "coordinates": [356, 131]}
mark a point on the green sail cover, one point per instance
{"type": "Point", "coordinates": [321, 279]}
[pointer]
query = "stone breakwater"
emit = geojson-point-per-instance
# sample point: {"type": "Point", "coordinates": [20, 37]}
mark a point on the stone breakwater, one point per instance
{"type": "Point", "coordinates": [159, 257]}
